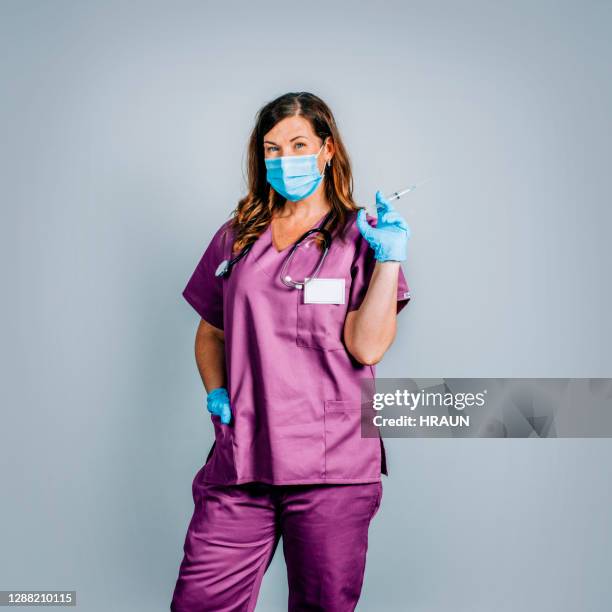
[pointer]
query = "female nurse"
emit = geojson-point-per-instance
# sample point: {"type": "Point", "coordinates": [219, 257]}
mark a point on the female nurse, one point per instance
{"type": "Point", "coordinates": [282, 358]}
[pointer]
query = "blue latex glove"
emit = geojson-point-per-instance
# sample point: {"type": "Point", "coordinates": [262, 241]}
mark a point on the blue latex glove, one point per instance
{"type": "Point", "coordinates": [218, 403]}
{"type": "Point", "coordinates": [389, 238]}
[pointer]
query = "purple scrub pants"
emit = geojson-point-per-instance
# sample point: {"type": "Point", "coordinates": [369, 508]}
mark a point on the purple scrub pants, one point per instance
{"type": "Point", "coordinates": [234, 532]}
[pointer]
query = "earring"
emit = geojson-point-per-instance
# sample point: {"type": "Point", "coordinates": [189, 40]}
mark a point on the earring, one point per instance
{"type": "Point", "coordinates": [329, 163]}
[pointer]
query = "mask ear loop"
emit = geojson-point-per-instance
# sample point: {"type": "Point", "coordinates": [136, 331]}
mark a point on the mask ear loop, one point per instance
{"type": "Point", "coordinates": [328, 162]}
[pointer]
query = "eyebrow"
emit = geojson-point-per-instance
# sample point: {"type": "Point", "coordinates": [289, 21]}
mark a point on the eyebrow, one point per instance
{"type": "Point", "coordinates": [294, 138]}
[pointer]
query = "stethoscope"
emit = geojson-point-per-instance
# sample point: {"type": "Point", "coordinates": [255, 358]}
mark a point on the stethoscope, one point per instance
{"type": "Point", "coordinates": [225, 267]}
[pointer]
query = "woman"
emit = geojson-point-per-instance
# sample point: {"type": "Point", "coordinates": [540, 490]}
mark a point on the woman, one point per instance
{"type": "Point", "coordinates": [282, 360]}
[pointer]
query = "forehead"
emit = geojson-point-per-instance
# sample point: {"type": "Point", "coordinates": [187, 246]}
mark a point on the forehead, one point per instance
{"type": "Point", "coordinates": [290, 127]}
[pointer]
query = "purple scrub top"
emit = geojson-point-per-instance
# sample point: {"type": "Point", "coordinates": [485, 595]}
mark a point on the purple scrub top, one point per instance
{"type": "Point", "coordinates": [294, 389]}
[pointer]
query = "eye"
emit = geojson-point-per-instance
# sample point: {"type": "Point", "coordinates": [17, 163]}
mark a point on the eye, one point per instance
{"type": "Point", "coordinates": [300, 145]}
{"type": "Point", "coordinates": [271, 149]}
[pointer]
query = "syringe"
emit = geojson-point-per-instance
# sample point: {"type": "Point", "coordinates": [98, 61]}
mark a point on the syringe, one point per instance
{"type": "Point", "coordinates": [396, 195]}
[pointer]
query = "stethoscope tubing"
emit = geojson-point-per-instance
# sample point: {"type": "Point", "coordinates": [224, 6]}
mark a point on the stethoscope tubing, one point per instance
{"type": "Point", "coordinates": [327, 239]}
{"type": "Point", "coordinates": [225, 267]}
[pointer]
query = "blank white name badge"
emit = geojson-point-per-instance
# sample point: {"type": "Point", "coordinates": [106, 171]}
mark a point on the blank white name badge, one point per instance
{"type": "Point", "coordinates": [324, 291]}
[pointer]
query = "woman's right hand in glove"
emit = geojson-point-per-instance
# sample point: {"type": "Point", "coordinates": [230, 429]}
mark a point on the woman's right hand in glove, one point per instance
{"type": "Point", "coordinates": [218, 403]}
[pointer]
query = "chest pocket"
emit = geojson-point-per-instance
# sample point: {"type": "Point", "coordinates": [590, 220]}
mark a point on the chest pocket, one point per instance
{"type": "Point", "coordinates": [319, 326]}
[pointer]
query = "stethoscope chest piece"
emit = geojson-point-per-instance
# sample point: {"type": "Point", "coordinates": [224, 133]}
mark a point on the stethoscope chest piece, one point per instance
{"type": "Point", "coordinates": [225, 267]}
{"type": "Point", "coordinates": [222, 268]}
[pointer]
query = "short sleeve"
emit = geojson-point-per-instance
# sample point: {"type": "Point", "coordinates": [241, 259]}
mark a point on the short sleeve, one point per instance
{"type": "Point", "coordinates": [361, 273]}
{"type": "Point", "coordinates": [204, 290]}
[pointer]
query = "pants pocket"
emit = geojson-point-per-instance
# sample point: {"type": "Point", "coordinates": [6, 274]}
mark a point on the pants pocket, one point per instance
{"type": "Point", "coordinates": [348, 455]}
{"type": "Point", "coordinates": [220, 461]}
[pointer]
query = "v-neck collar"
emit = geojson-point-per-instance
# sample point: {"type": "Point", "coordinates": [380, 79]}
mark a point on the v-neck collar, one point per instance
{"type": "Point", "coordinates": [289, 246]}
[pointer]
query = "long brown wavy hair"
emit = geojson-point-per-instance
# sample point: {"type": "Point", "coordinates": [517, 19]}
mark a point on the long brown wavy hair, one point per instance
{"type": "Point", "coordinates": [254, 212]}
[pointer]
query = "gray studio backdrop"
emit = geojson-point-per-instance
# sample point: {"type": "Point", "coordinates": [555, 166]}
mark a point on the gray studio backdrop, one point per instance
{"type": "Point", "coordinates": [124, 128]}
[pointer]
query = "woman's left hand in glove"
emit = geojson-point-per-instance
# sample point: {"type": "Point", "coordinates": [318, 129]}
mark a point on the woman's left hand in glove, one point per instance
{"type": "Point", "coordinates": [389, 238]}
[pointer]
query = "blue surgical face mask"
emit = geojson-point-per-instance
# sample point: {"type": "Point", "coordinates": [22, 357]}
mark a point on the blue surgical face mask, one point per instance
{"type": "Point", "coordinates": [294, 177]}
